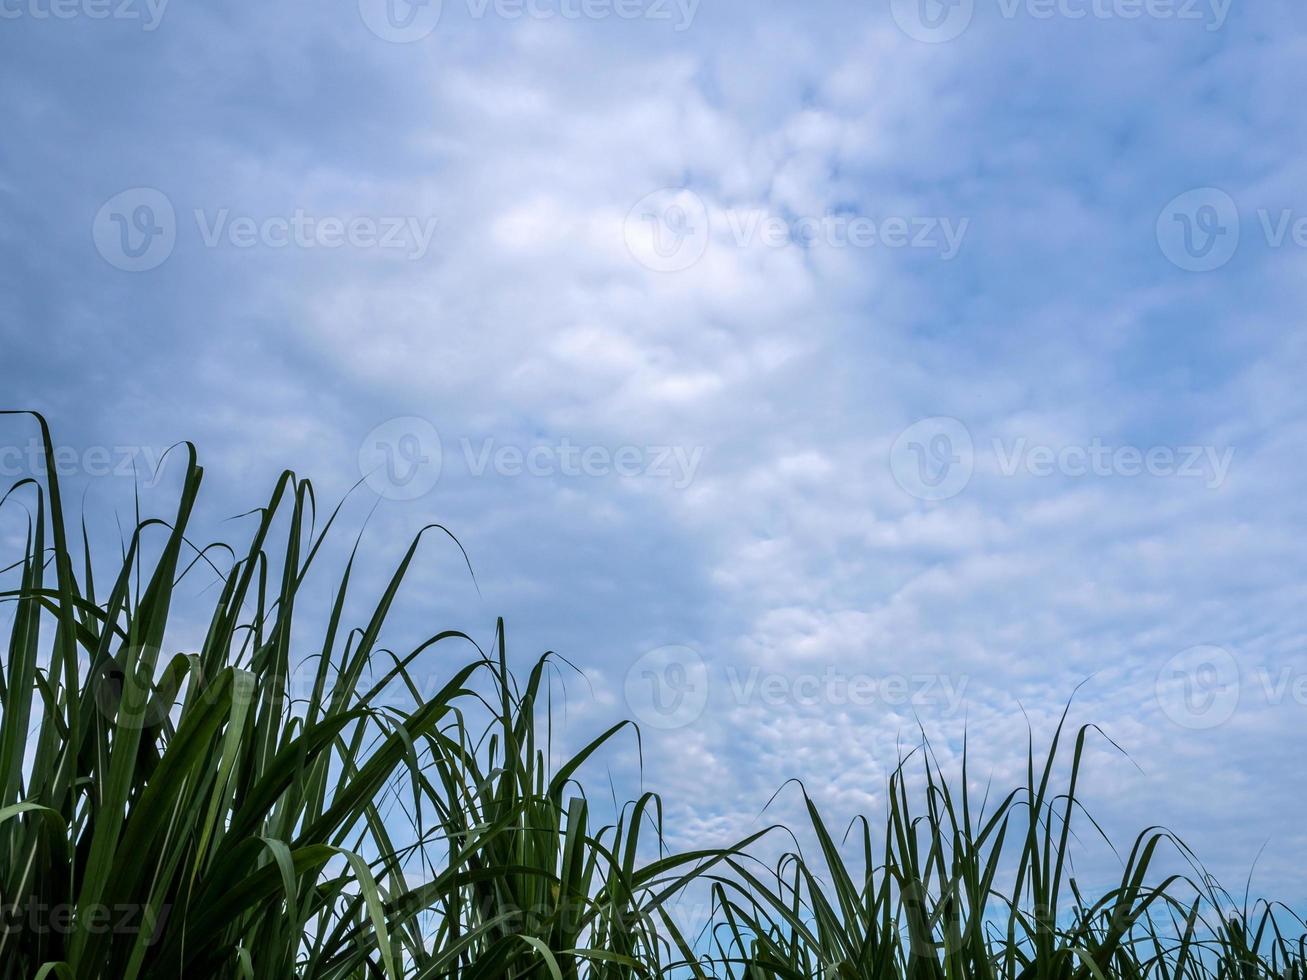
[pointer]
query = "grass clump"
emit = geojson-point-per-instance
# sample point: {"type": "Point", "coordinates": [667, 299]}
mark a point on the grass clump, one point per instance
{"type": "Point", "coordinates": [196, 815]}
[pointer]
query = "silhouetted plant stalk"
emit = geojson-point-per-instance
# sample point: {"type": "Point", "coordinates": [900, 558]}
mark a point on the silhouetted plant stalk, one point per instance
{"type": "Point", "coordinates": [232, 813]}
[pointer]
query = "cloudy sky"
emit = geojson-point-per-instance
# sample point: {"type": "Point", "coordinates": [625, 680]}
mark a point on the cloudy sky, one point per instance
{"type": "Point", "coordinates": [799, 371]}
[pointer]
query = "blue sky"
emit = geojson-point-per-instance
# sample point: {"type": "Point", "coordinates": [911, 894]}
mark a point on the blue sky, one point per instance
{"type": "Point", "coordinates": [798, 371]}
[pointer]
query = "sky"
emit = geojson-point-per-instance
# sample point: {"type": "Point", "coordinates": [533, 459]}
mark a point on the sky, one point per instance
{"type": "Point", "coordinates": [808, 375]}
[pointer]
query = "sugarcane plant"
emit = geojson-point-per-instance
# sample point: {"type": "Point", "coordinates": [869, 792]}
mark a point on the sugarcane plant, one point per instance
{"type": "Point", "coordinates": [280, 802]}
{"type": "Point", "coordinates": [189, 816]}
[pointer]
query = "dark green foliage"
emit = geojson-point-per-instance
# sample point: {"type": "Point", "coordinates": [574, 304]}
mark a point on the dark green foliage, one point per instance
{"type": "Point", "coordinates": [193, 815]}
